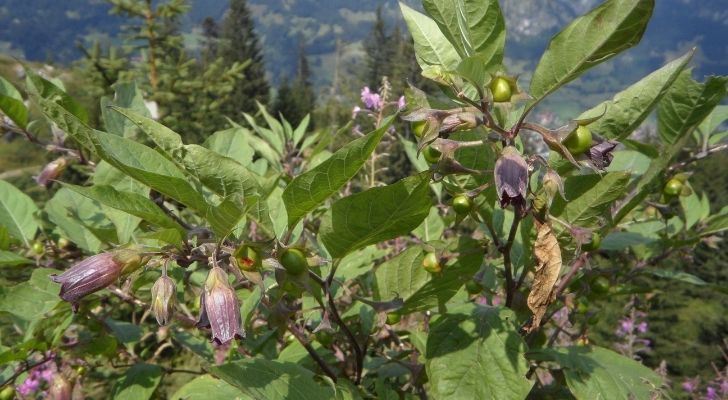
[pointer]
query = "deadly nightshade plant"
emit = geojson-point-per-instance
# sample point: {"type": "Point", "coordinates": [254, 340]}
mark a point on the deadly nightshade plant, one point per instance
{"type": "Point", "coordinates": [97, 272]}
{"type": "Point", "coordinates": [511, 179]}
{"type": "Point", "coordinates": [163, 298]}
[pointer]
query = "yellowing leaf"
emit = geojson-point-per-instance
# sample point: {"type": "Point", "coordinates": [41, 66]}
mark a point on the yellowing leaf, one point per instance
{"type": "Point", "coordinates": [548, 265]}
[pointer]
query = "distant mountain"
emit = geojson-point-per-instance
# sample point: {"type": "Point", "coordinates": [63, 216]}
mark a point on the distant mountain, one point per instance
{"type": "Point", "coordinates": [48, 30]}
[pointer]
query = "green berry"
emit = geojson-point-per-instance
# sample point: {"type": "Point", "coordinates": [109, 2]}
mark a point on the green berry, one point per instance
{"type": "Point", "coordinates": [431, 263]}
{"type": "Point", "coordinates": [578, 141]}
{"type": "Point", "coordinates": [431, 154]}
{"type": "Point", "coordinates": [673, 187]}
{"type": "Point", "coordinates": [501, 89]}
{"type": "Point", "coordinates": [462, 204]}
{"type": "Point", "coordinates": [294, 261]}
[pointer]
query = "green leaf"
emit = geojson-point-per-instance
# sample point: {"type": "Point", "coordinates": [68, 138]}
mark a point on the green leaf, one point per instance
{"type": "Point", "coordinates": [308, 190]}
{"type": "Point", "coordinates": [477, 353]}
{"type": "Point", "coordinates": [595, 37]}
{"type": "Point", "coordinates": [150, 168]}
{"type": "Point", "coordinates": [10, 259]}
{"type": "Point", "coordinates": [238, 187]}
{"type": "Point", "coordinates": [687, 104]}
{"type": "Point", "coordinates": [597, 373]}
{"type": "Point", "coordinates": [628, 108]}
{"type": "Point", "coordinates": [39, 86]}
{"type": "Point", "coordinates": [401, 276]}
{"type": "Point", "coordinates": [431, 46]}
{"type": "Point", "coordinates": [202, 387]}
{"type": "Point", "coordinates": [678, 276]}
{"type": "Point", "coordinates": [589, 197]}
{"type": "Point", "coordinates": [272, 380]}
{"type": "Point", "coordinates": [76, 216]}
{"type": "Point", "coordinates": [16, 213]}
{"type": "Point", "coordinates": [165, 138]}
{"type": "Point", "coordinates": [11, 103]}
{"type": "Point", "coordinates": [128, 202]}
{"type": "Point", "coordinates": [438, 291]}
{"type": "Point", "coordinates": [126, 96]}
{"type": "Point", "coordinates": [472, 26]}
{"type": "Point", "coordinates": [623, 240]}
{"type": "Point", "coordinates": [375, 215]}
{"type": "Point", "coordinates": [138, 383]}
{"type": "Point", "coordinates": [692, 209]}
{"type": "Point", "coordinates": [232, 143]}
{"type": "Point", "coordinates": [714, 120]}
{"type": "Point", "coordinates": [32, 299]}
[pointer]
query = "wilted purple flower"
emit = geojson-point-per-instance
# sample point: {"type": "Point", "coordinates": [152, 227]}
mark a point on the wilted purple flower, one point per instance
{"type": "Point", "coordinates": [51, 171]}
{"type": "Point", "coordinates": [689, 385]}
{"type": "Point", "coordinates": [511, 179]}
{"type": "Point", "coordinates": [601, 154]}
{"type": "Point", "coordinates": [95, 273]}
{"type": "Point", "coordinates": [222, 310]}
{"type": "Point", "coordinates": [163, 293]}
{"type": "Point", "coordinates": [401, 103]}
{"type": "Point", "coordinates": [371, 100]}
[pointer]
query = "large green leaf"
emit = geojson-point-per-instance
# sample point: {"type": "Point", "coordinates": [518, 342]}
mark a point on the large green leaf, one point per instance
{"type": "Point", "coordinates": [239, 188]}
{"type": "Point", "coordinates": [131, 203]}
{"type": "Point", "coordinates": [431, 47]}
{"type": "Point", "coordinates": [401, 275]}
{"type": "Point", "coordinates": [628, 108]}
{"type": "Point", "coordinates": [126, 96]}
{"type": "Point", "coordinates": [78, 218]}
{"type": "Point", "coordinates": [138, 383]}
{"type": "Point", "coordinates": [588, 197]}
{"type": "Point", "coordinates": [477, 353]}
{"type": "Point", "coordinates": [308, 190]}
{"type": "Point", "coordinates": [272, 380]}
{"type": "Point", "coordinates": [232, 143]}
{"type": "Point", "coordinates": [44, 88]}
{"type": "Point", "coordinates": [438, 291]}
{"type": "Point", "coordinates": [597, 373]}
{"type": "Point", "coordinates": [472, 26]}
{"type": "Point", "coordinates": [166, 139]}
{"type": "Point", "coordinates": [375, 215]}
{"type": "Point", "coordinates": [30, 300]}
{"type": "Point", "coordinates": [203, 387]}
{"type": "Point", "coordinates": [11, 103]}
{"type": "Point", "coordinates": [150, 168]}
{"type": "Point", "coordinates": [687, 105]}
{"type": "Point", "coordinates": [595, 37]}
{"type": "Point", "coordinates": [10, 259]}
{"type": "Point", "coordinates": [16, 213]}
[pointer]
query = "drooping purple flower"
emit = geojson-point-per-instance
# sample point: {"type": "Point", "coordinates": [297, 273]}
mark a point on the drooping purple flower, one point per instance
{"type": "Point", "coordinates": [371, 100]}
{"type": "Point", "coordinates": [51, 171]}
{"type": "Point", "coordinates": [401, 103]}
{"type": "Point", "coordinates": [689, 385]}
{"type": "Point", "coordinates": [511, 179]}
{"type": "Point", "coordinates": [711, 393]}
{"type": "Point", "coordinates": [163, 293]}
{"type": "Point", "coordinates": [221, 308]}
{"type": "Point", "coordinates": [95, 273]}
{"type": "Point", "coordinates": [601, 154]}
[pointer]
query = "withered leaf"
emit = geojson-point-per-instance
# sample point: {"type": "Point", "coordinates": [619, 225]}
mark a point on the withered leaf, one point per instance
{"type": "Point", "coordinates": [548, 266]}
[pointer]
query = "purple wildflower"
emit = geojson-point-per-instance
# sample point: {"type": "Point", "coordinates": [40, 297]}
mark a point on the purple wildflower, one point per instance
{"type": "Point", "coordinates": [371, 100]}
{"type": "Point", "coordinates": [689, 385]}
{"type": "Point", "coordinates": [642, 327]}
{"type": "Point", "coordinates": [401, 103]}
{"type": "Point", "coordinates": [711, 393]}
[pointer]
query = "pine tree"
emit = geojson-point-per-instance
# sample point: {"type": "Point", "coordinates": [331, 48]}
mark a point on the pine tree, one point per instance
{"type": "Point", "coordinates": [296, 100]}
{"type": "Point", "coordinates": [239, 43]}
{"type": "Point", "coordinates": [378, 52]}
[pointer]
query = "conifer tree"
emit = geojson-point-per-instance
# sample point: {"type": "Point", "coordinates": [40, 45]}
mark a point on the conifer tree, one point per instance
{"type": "Point", "coordinates": [378, 52]}
{"type": "Point", "coordinates": [296, 100]}
{"type": "Point", "coordinates": [239, 43]}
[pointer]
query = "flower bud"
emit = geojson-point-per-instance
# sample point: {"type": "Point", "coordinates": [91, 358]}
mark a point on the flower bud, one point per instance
{"type": "Point", "coordinates": [60, 389]}
{"type": "Point", "coordinates": [552, 184]}
{"type": "Point", "coordinates": [51, 171]}
{"type": "Point", "coordinates": [511, 179]}
{"type": "Point", "coordinates": [95, 273]}
{"type": "Point", "coordinates": [601, 154]}
{"type": "Point", "coordinates": [163, 296]}
{"type": "Point", "coordinates": [222, 310]}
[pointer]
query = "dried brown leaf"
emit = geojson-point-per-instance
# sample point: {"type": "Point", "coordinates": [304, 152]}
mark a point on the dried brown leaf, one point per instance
{"type": "Point", "coordinates": [548, 266]}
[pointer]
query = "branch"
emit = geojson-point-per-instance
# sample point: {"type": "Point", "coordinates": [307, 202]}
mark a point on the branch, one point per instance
{"type": "Point", "coordinates": [698, 156]}
{"type": "Point", "coordinates": [320, 361]}
{"type": "Point", "coordinates": [27, 367]}
{"type": "Point", "coordinates": [506, 251]}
